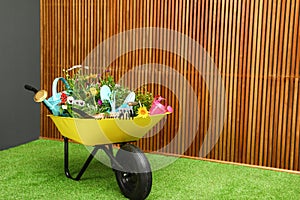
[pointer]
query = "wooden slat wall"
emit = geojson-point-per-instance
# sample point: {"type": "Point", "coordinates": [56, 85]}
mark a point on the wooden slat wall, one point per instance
{"type": "Point", "coordinates": [255, 45]}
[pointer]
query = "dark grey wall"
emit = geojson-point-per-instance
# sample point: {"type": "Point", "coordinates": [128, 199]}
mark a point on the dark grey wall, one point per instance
{"type": "Point", "coordinates": [19, 64]}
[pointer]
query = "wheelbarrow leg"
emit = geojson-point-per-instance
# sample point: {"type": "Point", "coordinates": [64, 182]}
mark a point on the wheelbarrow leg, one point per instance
{"type": "Point", "coordinates": [66, 158]}
{"type": "Point", "coordinates": [108, 149]}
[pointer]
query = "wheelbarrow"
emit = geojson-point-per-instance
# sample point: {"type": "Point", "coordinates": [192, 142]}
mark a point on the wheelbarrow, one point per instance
{"type": "Point", "coordinates": [130, 165]}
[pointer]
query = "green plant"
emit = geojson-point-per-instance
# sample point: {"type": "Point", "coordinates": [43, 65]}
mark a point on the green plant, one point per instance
{"type": "Point", "coordinates": [85, 94]}
{"type": "Point", "coordinates": [144, 98]}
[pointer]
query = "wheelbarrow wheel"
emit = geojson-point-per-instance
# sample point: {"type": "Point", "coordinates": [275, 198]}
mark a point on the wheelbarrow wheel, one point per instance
{"type": "Point", "coordinates": [135, 177]}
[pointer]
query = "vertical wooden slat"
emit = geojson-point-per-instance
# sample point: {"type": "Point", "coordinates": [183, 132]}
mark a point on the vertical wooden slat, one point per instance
{"type": "Point", "coordinates": [250, 80]}
{"type": "Point", "coordinates": [235, 125]}
{"type": "Point", "coordinates": [204, 101]}
{"type": "Point", "coordinates": [279, 91]}
{"type": "Point", "coordinates": [208, 48]}
{"type": "Point", "coordinates": [198, 78]}
{"type": "Point", "coordinates": [294, 62]}
{"type": "Point", "coordinates": [288, 92]}
{"type": "Point", "coordinates": [172, 63]}
{"type": "Point", "coordinates": [191, 75]}
{"type": "Point", "coordinates": [232, 98]}
{"type": "Point", "coordinates": [229, 70]}
{"type": "Point", "coordinates": [244, 111]}
{"type": "Point", "coordinates": [226, 52]}
{"type": "Point", "coordinates": [286, 85]}
{"type": "Point", "coordinates": [241, 84]}
{"type": "Point", "coordinates": [43, 55]}
{"type": "Point", "coordinates": [269, 112]}
{"type": "Point", "coordinates": [182, 18]}
{"type": "Point", "coordinates": [175, 58]}
{"type": "Point", "coordinates": [297, 143]}
{"type": "Point", "coordinates": [221, 68]}
{"type": "Point", "coordinates": [185, 26]}
{"type": "Point", "coordinates": [264, 73]}
{"type": "Point", "coordinates": [216, 59]}
{"type": "Point", "coordinates": [256, 113]}
{"type": "Point", "coordinates": [67, 35]}
{"type": "Point", "coordinates": [213, 78]}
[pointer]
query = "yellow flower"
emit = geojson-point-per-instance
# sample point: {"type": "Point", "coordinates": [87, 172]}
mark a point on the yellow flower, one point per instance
{"type": "Point", "coordinates": [93, 75]}
{"type": "Point", "coordinates": [86, 77]}
{"type": "Point", "coordinates": [93, 91]}
{"type": "Point", "coordinates": [143, 112]}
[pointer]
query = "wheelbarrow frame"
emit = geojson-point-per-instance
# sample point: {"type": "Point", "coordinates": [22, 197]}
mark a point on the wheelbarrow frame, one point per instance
{"type": "Point", "coordinates": [106, 148]}
{"type": "Point", "coordinates": [132, 185]}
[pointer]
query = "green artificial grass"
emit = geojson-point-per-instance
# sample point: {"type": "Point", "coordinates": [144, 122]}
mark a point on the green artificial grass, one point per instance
{"type": "Point", "coordinates": [35, 171]}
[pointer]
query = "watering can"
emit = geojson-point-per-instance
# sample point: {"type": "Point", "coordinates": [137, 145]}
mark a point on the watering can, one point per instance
{"type": "Point", "coordinates": [53, 102]}
{"type": "Point", "coordinates": [158, 108]}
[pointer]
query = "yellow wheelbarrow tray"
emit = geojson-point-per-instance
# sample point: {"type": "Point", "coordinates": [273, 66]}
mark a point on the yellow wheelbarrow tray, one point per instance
{"type": "Point", "coordinates": [130, 165]}
{"type": "Point", "coordinates": [93, 132]}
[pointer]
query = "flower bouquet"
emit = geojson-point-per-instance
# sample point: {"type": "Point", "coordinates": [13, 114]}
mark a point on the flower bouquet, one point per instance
{"type": "Point", "coordinates": [98, 96]}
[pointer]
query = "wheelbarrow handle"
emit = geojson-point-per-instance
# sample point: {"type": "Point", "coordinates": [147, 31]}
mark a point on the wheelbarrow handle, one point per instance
{"type": "Point", "coordinates": [81, 113]}
{"type": "Point", "coordinates": [33, 89]}
{"type": "Point", "coordinates": [30, 88]}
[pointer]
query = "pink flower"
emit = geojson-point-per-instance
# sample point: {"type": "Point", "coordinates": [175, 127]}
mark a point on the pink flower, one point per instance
{"type": "Point", "coordinates": [100, 102]}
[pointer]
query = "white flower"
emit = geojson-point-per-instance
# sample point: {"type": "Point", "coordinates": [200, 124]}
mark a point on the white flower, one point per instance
{"type": "Point", "coordinates": [79, 103]}
{"type": "Point", "coordinates": [70, 100]}
{"type": "Point", "coordinates": [65, 107]}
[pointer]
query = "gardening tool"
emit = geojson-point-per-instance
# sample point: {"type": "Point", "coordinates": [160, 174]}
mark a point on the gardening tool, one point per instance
{"type": "Point", "coordinates": [38, 94]}
{"type": "Point", "coordinates": [53, 102]}
{"type": "Point", "coordinates": [158, 108]}
{"type": "Point", "coordinates": [106, 94]}
{"type": "Point", "coordinates": [41, 95]}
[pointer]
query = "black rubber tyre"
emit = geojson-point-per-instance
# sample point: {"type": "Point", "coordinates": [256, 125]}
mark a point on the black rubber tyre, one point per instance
{"type": "Point", "coordinates": [135, 179]}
